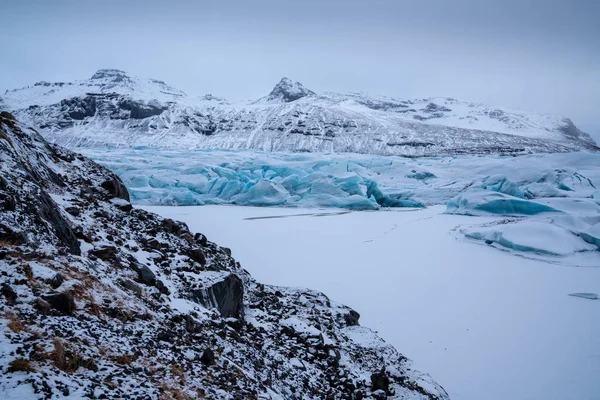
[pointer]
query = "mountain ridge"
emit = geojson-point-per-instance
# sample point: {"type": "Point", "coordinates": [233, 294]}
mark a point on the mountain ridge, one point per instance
{"type": "Point", "coordinates": [116, 110]}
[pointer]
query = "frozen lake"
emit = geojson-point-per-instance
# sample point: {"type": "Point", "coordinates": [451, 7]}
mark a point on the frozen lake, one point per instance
{"type": "Point", "coordinates": [485, 323]}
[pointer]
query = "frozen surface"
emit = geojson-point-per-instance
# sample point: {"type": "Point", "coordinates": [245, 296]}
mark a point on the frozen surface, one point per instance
{"type": "Point", "coordinates": [557, 193]}
{"type": "Point", "coordinates": [474, 317]}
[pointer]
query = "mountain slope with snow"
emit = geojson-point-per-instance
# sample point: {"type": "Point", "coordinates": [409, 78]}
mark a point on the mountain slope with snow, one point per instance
{"type": "Point", "coordinates": [103, 300]}
{"type": "Point", "coordinates": [116, 110]}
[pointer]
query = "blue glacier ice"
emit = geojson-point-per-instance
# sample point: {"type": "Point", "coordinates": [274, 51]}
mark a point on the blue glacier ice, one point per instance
{"type": "Point", "coordinates": [501, 184]}
{"type": "Point", "coordinates": [592, 235]}
{"type": "Point", "coordinates": [478, 202]}
{"type": "Point", "coordinates": [353, 181]}
{"type": "Point", "coordinates": [527, 236]}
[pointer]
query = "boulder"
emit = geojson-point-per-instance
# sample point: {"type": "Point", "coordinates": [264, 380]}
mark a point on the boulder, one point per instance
{"type": "Point", "coordinates": [116, 188]}
{"type": "Point", "coordinates": [104, 253]}
{"type": "Point", "coordinates": [380, 381]}
{"type": "Point", "coordinates": [226, 295]}
{"type": "Point", "coordinates": [351, 318]}
{"type": "Point", "coordinates": [197, 255]}
{"type": "Point", "coordinates": [146, 276]}
{"type": "Point", "coordinates": [208, 357]}
{"type": "Point", "coordinates": [61, 302]}
{"type": "Point", "coordinates": [9, 293]}
{"type": "Point", "coordinates": [56, 281]}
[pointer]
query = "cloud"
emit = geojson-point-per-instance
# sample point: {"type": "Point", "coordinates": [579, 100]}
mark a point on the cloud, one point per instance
{"type": "Point", "coordinates": [535, 55]}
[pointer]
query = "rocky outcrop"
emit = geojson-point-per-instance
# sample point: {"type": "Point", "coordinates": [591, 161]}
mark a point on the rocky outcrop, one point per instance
{"type": "Point", "coordinates": [287, 91]}
{"type": "Point", "coordinates": [226, 295]}
{"type": "Point", "coordinates": [102, 300]}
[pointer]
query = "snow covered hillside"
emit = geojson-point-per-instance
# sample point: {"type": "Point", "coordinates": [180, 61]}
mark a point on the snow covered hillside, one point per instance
{"type": "Point", "coordinates": [103, 300]}
{"type": "Point", "coordinates": [115, 110]}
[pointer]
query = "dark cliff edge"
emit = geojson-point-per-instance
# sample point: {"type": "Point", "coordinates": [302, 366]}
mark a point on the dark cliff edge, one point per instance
{"type": "Point", "coordinates": [102, 300]}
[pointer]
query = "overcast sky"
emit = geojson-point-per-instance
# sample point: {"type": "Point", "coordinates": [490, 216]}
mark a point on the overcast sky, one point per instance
{"type": "Point", "coordinates": [537, 55]}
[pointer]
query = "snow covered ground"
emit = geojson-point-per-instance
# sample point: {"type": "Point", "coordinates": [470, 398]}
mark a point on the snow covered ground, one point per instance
{"type": "Point", "coordinates": [486, 324]}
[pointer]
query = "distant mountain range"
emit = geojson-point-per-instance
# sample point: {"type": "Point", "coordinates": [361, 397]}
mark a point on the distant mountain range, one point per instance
{"type": "Point", "coordinates": [116, 110]}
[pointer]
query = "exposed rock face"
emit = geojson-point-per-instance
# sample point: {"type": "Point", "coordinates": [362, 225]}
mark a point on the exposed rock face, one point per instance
{"type": "Point", "coordinates": [196, 325]}
{"type": "Point", "coordinates": [226, 295]}
{"type": "Point", "coordinates": [287, 90]}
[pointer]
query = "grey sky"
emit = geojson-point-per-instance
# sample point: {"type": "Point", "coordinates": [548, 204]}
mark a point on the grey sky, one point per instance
{"type": "Point", "coordinates": [536, 55]}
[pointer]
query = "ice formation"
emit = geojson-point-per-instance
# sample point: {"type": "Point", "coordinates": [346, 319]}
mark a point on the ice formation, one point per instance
{"type": "Point", "coordinates": [352, 181]}
{"type": "Point", "coordinates": [556, 193]}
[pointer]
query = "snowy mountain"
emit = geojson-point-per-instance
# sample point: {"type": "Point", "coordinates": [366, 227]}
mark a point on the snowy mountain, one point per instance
{"type": "Point", "coordinates": [102, 300]}
{"type": "Point", "coordinates": [116, 110]}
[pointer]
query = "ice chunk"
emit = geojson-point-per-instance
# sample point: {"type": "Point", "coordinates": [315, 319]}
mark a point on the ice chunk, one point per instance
{"type": "Point", "coordinates": [393, 200]}
{"type": "Point", "coordinates": [531, 236]}
{"type": "Point", "coordinates": [263, 193]}
{"type": "Point", "coordinates": [479, 202]}
{"type": "Point", "coordinates": [592, 235]}
{"type": "Point", "coordinates": [420, 175]}
{"type": "Point", "coordinates": [500, 183]}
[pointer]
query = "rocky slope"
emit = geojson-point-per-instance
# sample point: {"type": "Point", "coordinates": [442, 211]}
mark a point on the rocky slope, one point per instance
{"type": "Point", "coordinates": [114, 109]}
{"type": "Point", "coordinates": [101, 300]}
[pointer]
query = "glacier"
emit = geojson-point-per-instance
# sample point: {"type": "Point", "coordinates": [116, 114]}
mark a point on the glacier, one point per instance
{"type": "Point", "coordinates": [352, 181]}
{"type": "Point", "coordinates": [545, 198]}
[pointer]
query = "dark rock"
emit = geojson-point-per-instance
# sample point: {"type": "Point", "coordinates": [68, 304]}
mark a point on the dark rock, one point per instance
{"type": "Point", "coordinates": [8, 293]}
{"type": "Point", "coordinates": [190, 324]}
{"type": "Point", "coordinates": [174, 227]}
{"type": "Point", "coordinates": [201, 239]}
{"type": "Point", "coordinates": [139, 110]}
{"type": "Point", "coordinates": [48, 211]}
{"type": "Point", "coordinates": [131, 286]}
{"type": "Point", "coordinates": [74, 211]}
{"type": "Point", "coordinates": [162, 288]}
{"type": "Point", "coordinates": [10, 236]}
{"type": "Point", "coordinates": [104, 253]}
{"type": "Point", "coordinates": [42, 306]}
{"type": "Point", "coordinates": [198, 256]}
{"type": "Point", "coordinates": [146, 276]}
{"type": "Point", "coordinates": [154, 244]}
{"type": "Point", "coordinates": [62, 302]}
{"type": "Point", "coordinates": [208, 357]}
{"type": "Point", "coordinates": [116, 188]}
{"type": "Point", "coordinates": [56, 281]}
{"type": "Point", "coordinates": [380, 381]}
{"type": "Point", "coordinates": [352, 318]}
{"type": "Point", "coordinates": [226, 295]}
{"type": "Point", "coordinates": [165, 336]}
{"type": "Point", "coordinates": [234, 323]}
{"type": "Point", "coordinates": [80, 234]}
{"type": "Point", "coordinates": [125, 207]}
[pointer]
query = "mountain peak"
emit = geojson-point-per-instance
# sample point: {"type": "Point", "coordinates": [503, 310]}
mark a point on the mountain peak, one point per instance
{"type": "Point", "coordinates": [114, 75]}
{"type": "Point", "coordinates": [287, 90]}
